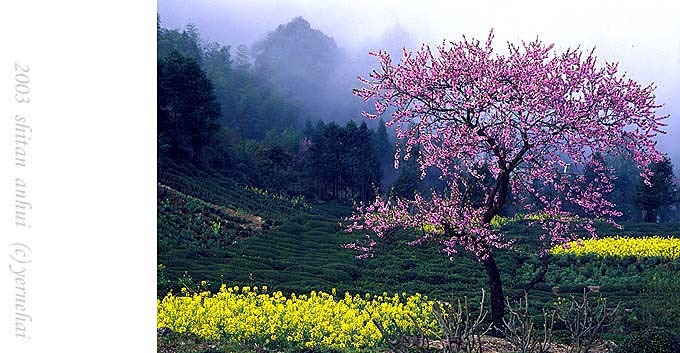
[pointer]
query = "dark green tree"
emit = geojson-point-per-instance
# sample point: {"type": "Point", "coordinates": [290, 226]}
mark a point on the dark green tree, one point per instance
{"type": "Point", "coordinates": [342, 162]}
{"type": "Point", "coordinates": [187, 42]}
{"type": "Point", "coordinates": [663, 191]}
{"type": "Point", "coordinates": [367, 171]}
{"type": "Point", "coordinates": [217, 65]}
{"type": "Point", "coordinates": [187, 108]}
{"type": "Point", "coordinates": [383, 148]}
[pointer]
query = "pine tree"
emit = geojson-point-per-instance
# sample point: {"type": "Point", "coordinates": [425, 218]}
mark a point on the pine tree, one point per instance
{"type": "Point", "coordinates": [662, 192]}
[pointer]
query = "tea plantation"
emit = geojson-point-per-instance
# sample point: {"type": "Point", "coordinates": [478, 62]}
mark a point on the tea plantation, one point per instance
{"type": "Point", "coordinates": [210, 228]}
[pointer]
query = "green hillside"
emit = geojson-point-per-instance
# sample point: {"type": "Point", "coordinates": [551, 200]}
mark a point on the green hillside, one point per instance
{"type": "Point", "coordinates": [264, 240]}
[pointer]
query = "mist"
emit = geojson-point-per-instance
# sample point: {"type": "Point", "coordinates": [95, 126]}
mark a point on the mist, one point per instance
{"type": "Point", "coordinates": [643, 38]}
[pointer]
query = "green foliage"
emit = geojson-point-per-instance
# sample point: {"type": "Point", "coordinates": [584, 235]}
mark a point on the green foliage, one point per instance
{"type": "Point", "coordinates": [342, 162]}
{"type": "Point", "coordinates": [662, 192]}
{"type": "Point", "coordinates": [186, 43]}
{"type": "Point", "coordinates": [185, 221]}
{"type": "Point", "coordinates": [651, 341]}
{"type": "Point", "coordinates": [287, 139]}
{"type": "Point", "coordinates": [187, 109]}
{"type": "Point", "coordinates": [162, 279]}
{"type": "Point", "coordinates": [295, 201]}
{"type": "Point", "coordinates": [655, 306]}
{"type": "Point", "coordinates": [215, 188]}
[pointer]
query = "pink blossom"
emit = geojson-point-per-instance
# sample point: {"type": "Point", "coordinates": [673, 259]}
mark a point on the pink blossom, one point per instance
{"type": "Point", "coordinates": [533, 117]}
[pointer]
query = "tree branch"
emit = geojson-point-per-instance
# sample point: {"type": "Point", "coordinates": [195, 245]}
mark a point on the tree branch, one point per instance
{"type": "Point", "coordinates": [537, 278]}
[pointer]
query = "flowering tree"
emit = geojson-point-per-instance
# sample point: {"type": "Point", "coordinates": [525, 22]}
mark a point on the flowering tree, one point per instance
{"type": "Point", "coordinates": [519, 123]}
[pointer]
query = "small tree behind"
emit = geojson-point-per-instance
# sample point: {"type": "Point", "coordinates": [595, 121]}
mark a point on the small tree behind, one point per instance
{"type": "Point", "coordinates": [662, 191]}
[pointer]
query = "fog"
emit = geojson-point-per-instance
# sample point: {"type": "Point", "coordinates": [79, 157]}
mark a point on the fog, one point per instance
{"type": "Point", "coordinates": [643, 37]}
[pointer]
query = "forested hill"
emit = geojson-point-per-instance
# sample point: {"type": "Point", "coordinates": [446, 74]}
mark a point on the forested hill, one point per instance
{"type": "Point", "coordinates": [278, 118]}
{"type": "Point", "coordinates": [245, 117]}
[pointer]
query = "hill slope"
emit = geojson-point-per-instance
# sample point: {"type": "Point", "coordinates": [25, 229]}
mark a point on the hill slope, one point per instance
{"type": "Point", "coordinates": [265, 240]}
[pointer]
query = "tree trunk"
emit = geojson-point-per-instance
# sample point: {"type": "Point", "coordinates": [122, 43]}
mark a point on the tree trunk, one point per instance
{"type": "Point", "coordinates": [496, 296]}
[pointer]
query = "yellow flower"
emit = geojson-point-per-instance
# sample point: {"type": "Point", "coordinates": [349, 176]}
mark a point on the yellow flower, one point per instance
{"type": "Point", "coordinates": [314, 320]}
{"type": "Point", "coordinates": [656, 246]}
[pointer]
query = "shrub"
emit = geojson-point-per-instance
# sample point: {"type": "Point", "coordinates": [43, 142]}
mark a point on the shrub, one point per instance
{"type": "Point", "coordinates": [656, 307]}
{"type": "Point", "coordinates": [651, 341]}
{"type": "Point", "coordinates": [522, 330]}
{"type": "Point", "coordinates": [461, 328]}
{"type": "Point", "coordinates": [585, 319]}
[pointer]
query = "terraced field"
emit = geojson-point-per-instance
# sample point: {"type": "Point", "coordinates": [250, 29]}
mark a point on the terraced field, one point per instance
{"type": "Point", "coordinates": [267, 241]}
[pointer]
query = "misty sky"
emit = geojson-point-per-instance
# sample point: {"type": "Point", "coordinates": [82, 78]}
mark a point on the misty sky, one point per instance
{"type": "Point", "coordinates": [644, 37]}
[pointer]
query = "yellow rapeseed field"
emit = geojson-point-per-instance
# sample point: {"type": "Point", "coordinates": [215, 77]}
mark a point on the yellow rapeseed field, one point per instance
{"type": "Point", "coordinates": [656, 246]}
{"type": "Point", "coordinates": [251, 315]}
